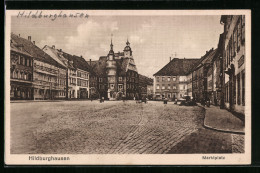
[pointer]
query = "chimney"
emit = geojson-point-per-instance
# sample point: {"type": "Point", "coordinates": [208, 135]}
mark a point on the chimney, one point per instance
{"type": "Point", "coordinates": [60, 50]}
{"type": "Point", "coordinates": [89, 61]}
{"type": "Point", "coordinates": [170, 59]}
{"type": "Point", "coordinates": [29, 38]}
{"type": "Point", "coordinates": [53, 47]}
{"type": "Point", "coordinates": [34, 42]}
{"type": "Point", "coordinates": [19, 35]}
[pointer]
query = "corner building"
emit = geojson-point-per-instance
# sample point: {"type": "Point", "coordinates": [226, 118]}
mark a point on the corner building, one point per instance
{"type": "Point", "coordinates": [172, 80]}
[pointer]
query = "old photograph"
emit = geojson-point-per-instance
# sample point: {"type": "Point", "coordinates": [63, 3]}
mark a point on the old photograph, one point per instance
{"type": "Point", "coordinates": [128, 87]}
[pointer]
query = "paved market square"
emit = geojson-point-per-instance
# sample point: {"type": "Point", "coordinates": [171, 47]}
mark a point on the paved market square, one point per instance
{"type": "Point", "coordinates": [115, 127]}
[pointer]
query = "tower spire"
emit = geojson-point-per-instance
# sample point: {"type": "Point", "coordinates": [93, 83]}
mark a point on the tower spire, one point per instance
{"type": "Point", "coordinates": [127, 42]}
{"type": "Point", "coordinates": [111, 45]}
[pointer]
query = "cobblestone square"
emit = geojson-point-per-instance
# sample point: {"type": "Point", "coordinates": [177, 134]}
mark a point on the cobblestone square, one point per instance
{"type": "Point", "coordinates": [115, 127]}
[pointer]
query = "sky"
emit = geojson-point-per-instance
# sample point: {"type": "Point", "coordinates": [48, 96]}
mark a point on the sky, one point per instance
{"type": "Point", "coordinates": [153, 39]}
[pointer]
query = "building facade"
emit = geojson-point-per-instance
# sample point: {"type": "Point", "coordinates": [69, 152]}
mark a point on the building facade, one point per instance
{"type": "Point", "coordinates": [234, 62]}
{"type": "Point", "coordinates": [145, 87]}
{"type": "Point", "coordinates": [21, 73]}
{"type": "Point", "coordinates": [117, 74]}
{"type": "Point", "coordinates": [77, 72]}
{"type": "Point", "coordinates": [49, 77]}
{"type": "Point", "coordinates": [189, 84]}
{"type": "Point", "coordinates": [217, 75]}
{"type": "Point", "coordinates": [202, 82]}
{"type": "Point", "coordinates": [171, 81]}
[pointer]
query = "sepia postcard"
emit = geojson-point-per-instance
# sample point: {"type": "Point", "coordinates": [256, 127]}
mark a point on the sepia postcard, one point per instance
{"type": "Point", "coordinates": [128, 87]}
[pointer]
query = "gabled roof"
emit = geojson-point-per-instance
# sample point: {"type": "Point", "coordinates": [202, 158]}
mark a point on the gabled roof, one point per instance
{"type": "Point", "coordinates": [78, 62]}
{"type": "Point", "coordinates": [81, 63]}
{"type": "Point", "coordinates": [177, 67]}
{"type": "Point", "coordinates": [121, 66]}
{"type": "Point", "coordinates": [35, 51]}
{"type": "Point", "coordinates": [99, 66]}
{"type": "Point", "coordinates": [56, 55]}
{"type": "Point", "coordinates": [14, 47]}
{"type": "Point", "coordinates": [144, 80]}
{"type": "Point", "coordinates": [207, 58]}
{"type": "Point", "coordinates": [92, 63]}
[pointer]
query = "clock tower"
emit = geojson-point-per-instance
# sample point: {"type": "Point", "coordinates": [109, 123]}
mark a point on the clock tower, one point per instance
{"type": "Point", "coordinates": [111, 72]}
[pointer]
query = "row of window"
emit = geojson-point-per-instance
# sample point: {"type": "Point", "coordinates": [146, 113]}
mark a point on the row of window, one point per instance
{"type": "Point", "coordinates": [72, 72]}
{"type": "Point", "coordinates": [169, 86]}
{"type": "Point", "coordinates": [48, 78]}
{"type": "Point", "coordinates": [44, 68]}
{"type": "Point", "coordinates": [131, 86]}
{"type": "Point", "coordinates": [133, 74]}
{"type": "Point", "coordinates": [19, 92]}
{"type": "Point", "coordinates": [170, 78]}
{"type": "Point", "coordinates": [120, 79]}
{"type": "Point", "coordinates": [47, 92]}
{"type": "Point", "coordinates": [168, 95]}
{"type": "Point", "coordinates": [62, 93]}
{"type": "Point", "coordinates": [132, 79]}
{"type": "Point", "coordinates": [82, 75]}
{"type": "Point", "coordinates": [16, 74]}
{"type": "Point", "coordinates": [120, 86]}
{"type": "Point", "coordinates": [72, 81]}
{"type": "Point", "coordinates": [46, 65]}
{"type": "Point", "coordinates": [236, 40]}
{"type": "Point", "coordinates": [83, 83]}
{"type": "Point", "coordinates": [22, 60]}
{"type": "Point", "coordinates": [198, 84]}
{"type": "Point", "coordinates": [198, 73]}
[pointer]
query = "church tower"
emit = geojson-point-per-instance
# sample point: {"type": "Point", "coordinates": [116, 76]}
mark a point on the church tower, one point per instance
{"type": "Point", "coordinates": [111, 72]}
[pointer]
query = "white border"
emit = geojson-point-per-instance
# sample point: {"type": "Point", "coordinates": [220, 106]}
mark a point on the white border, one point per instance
{"type": "Point", "coordinates": [134, 159]}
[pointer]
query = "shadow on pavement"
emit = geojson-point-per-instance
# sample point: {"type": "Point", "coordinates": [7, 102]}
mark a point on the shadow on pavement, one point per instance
{"type": "Point", "coordinates": [204, 141]}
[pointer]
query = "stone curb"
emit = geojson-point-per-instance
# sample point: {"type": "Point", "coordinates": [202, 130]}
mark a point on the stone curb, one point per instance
{"type": "Point", "coordinates": [216, 129]}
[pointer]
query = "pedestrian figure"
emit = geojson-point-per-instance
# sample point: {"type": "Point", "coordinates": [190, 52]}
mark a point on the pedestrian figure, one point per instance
{"type": "Point", "coordinates": [203, 102]}
{"type": "Point", "coordinates": [165, 101]}
{"type": "Point", "coordinates": [208, 102]}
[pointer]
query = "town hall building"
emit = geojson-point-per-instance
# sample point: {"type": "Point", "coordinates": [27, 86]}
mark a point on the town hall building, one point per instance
{"type": "Point", "coordinates": [117, 74]}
